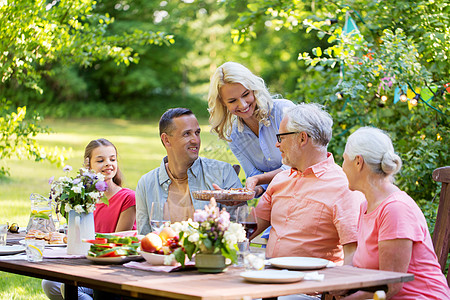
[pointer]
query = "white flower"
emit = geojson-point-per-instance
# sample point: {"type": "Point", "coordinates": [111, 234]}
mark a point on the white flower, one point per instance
{"type": "Point", "coordinates": [100, 176]}
{"type": "Point", "coordinates": [77, 189]}
{"type": "Point", "coordinates": [79, 209]}
{"type": "Point", "coordinates": [67, 208]}
{"type": "Point", "coordinates": [194, 238]}
{"type": "Point", "coordinates": [169, 259]}
{"type": "Point", "coordinates": [64, 179]}
{"type": "Point", "coordinates": [95, 195]}
{"type": "Point", "coordinates": [90, 207]}
{"type": "Point", "coordinates": [235, 233]}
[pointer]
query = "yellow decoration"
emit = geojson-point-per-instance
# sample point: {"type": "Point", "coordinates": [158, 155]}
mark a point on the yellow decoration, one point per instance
{"type": "Point", "coordinates": [410, 94]}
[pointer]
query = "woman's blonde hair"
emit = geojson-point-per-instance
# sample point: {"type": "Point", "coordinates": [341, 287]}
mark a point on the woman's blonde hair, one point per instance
{"type": "Point", "coordinates": [220, 118]}
{"type": "Point", "coordinates": [376, 148]}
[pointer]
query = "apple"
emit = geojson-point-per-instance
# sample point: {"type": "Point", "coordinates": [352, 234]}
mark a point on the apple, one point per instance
{"type": "Point", "coordinates": [151, 242]}
{"type": "Point", "coordinates": [166, 233]}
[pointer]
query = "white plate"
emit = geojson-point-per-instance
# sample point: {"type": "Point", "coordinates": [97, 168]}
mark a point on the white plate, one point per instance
{"type": "Point", "coordinates": [273, 276]}
{"type": "Point", "coordinates": [22, 242]}
{"type": "Point", "coordinates": [9, 250]}
{"type": "Point", "coordinates": [299, 263]}
{"type": "Point", "coordinates": [113, 260]}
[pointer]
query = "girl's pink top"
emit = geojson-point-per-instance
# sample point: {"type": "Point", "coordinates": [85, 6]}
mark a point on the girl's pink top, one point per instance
{"type": "Point", "coordinates": [107, 216]}
{"type": "Point", "coordinates": [399, 217]}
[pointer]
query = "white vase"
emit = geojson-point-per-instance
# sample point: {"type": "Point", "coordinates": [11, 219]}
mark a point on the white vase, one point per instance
{"type": "Point", "coordinates": [81, 227]}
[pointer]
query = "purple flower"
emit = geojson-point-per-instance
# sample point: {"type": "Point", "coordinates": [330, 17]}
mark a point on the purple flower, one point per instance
{"type": "Point", "coordinates": [76, 180]}
{"type": "Point", "coordinates": [67, 168]}
{"type": "Point", "coordinates": [50, 180]}
{"type": "Point", "coordinates": [101, 186]}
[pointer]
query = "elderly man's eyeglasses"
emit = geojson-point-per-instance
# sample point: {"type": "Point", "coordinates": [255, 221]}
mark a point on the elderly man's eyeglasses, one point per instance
{"type": "Point", "coordinates": [286, 133]}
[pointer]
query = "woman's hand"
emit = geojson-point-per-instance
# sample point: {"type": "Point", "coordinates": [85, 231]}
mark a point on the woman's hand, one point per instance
{"type": "Point", "coordinates": [227, 203]}
{"type": "Point", "coordinates": [251, 182]}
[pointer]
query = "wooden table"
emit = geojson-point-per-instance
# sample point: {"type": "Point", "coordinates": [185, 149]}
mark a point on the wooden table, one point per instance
{"type": "Point", "coordinates": [190, 284]}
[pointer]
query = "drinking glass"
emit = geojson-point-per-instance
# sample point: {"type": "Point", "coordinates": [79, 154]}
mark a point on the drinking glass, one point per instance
{"type": "Point", "coordinates": [3, 234]}
{"type": "Point", "coordinates": [243, 248]}
{"type": "Point", "coordinates": [34, 250]}
{"type": "Point", "coordinates": [254, 259]}
{"type": "Point", "coordinates": [245, 215]}
{"type": "Point", "coordinates": [159, 215]}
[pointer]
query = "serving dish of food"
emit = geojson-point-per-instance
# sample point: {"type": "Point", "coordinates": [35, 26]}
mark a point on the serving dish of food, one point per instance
{"type": "Point", "coordinates": [233, 194]}
{"type": "Point", "coordinates": [113, 249]}
{"type": "Point", "coordinates": [55, 239]}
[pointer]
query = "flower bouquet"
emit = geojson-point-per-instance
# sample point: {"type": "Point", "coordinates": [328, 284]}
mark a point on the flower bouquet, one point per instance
{"type": "Point", "coordinates": [211, 232]}
{"type": "Point", "coordinates": [79, 193]}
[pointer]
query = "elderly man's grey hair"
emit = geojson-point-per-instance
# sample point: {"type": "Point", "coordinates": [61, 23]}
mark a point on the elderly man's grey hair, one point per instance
{"type": "Point", "coordinates": [312, 119]}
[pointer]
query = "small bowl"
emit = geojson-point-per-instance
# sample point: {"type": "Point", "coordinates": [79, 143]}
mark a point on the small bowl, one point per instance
{"type": "Point", "coordinates": [153, 258]}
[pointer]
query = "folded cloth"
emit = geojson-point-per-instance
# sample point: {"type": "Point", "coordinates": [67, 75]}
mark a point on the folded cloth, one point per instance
{"type": "Point", "coordinates": [20, 256]}
{"type": "Point", "coordinates": [313, 276]}
{"type": "Point", "coordinates": [266, 232]}
{"type": "Point", "coordinates": [148, 267]}
{"type": "Point", "coordinates": [59, 252]}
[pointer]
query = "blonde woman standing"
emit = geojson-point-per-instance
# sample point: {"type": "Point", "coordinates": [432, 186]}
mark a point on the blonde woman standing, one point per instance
{"type": "Point", "coordinates": [392, 231]}
{"type": "Point", "coordinates": [243, 113]}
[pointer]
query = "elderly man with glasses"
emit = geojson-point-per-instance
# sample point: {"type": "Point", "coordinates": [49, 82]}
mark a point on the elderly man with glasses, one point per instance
{"type": "Point", "coordinates": [310, 207]}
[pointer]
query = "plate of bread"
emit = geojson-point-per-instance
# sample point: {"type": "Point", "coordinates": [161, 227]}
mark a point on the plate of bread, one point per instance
{"type": "Point", "coordinates": [52, 239]}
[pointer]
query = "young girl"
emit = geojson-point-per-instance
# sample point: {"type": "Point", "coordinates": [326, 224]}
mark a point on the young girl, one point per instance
{"type": "Point", "coordinates": [119, 215]}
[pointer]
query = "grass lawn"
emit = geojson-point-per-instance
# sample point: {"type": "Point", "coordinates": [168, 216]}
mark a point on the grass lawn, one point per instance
{"type": "Point", "coordinates": [140, 150]}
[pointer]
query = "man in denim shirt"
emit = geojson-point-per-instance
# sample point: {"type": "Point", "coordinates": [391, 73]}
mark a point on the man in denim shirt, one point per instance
{"type": "Point", "coordinates": [181, 172]}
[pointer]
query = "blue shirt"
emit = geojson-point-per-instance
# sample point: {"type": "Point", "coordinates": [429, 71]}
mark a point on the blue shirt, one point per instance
{"type": "Point", "coordinates": [154, 187]}
{"type": "Point", "coordinates": [260, 155]}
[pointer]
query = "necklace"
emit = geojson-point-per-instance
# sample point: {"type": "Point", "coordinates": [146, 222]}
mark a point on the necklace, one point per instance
{"type": "Point", "coordinates": [173, 176]}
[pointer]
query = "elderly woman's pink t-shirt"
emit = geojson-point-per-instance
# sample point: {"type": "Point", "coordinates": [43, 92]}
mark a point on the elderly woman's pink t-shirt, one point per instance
{"type": "Point", "coordinates": [399, 217]}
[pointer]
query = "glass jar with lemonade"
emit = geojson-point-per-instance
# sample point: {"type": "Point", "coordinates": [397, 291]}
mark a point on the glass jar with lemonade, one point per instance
{"type": "Point", "coordinates": [41, 214]}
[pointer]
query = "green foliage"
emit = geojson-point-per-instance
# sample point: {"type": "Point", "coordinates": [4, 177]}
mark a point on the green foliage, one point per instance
{"type": "Point", "coordinates": [34, 36]}
{"type": "Point", "coordinates": [17, 135]}
{"type": "Point", "coordinates": [36, 33]}
{"type": "Point", "coordinates": [403, 45]}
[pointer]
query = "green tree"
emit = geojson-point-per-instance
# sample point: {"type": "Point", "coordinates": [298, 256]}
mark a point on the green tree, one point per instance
{"type": "Point", "coordinates": [397, 49]}
{"type": "Point", "coordinates": [34, 36]}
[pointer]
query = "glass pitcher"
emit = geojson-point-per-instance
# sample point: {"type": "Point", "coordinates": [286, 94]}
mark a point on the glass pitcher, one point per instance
{"type": "Point", "coordinates": [41, 214]}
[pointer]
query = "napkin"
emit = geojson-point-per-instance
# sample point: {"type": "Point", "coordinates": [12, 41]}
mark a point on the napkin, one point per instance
{"type": "Point", "coordinates": [20, 256]}
{"type": "Point", "coordinates": [314, 276]}
{"type": "Point", "coordinates": [59, 252]}
{"type": "Point", "coordinates": [148, 267]}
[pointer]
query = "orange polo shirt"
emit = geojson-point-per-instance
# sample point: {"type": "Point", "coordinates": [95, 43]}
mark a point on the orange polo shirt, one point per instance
{"type": "Point", "coordinates": [312, 213]}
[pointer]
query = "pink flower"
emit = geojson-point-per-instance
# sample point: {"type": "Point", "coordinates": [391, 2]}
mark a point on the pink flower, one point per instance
{"type": "Point", "coordinates": [200, 216]}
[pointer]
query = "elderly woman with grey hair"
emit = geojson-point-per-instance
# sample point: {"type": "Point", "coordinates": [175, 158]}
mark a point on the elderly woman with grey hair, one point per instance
{"type": "Point", "coordinates": [392, 230]}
